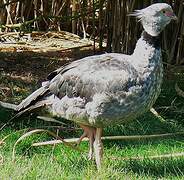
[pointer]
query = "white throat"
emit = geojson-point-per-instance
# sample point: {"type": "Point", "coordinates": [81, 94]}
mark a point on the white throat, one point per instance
{"type": "Point", "coordinates": [147, 52]}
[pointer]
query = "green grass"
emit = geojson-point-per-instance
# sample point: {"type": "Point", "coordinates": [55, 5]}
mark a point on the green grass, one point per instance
{"type": "Point", "coordinates": [61, 162]}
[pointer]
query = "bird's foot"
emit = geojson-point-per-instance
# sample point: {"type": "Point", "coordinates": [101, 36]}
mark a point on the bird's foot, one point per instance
{"type": "Point", "coordinates": [77, 143]}
{"type": "Point", "coordinates": [90, 154]}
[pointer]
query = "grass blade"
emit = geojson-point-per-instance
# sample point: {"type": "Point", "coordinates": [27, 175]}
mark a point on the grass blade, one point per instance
{"type": "Point", "coordinates": [35, 131]}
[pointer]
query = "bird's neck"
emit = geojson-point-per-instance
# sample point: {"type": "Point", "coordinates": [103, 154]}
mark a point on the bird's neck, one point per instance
{"type": "Point", "coordinates": [147, 52]}
{"type": "Point", "coordinates": [151, 40]}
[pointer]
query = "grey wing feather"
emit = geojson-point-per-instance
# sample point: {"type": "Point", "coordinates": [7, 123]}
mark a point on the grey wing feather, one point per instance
{"type": "Point", "coordinates": [82, 78]}
{"type": "Point", "coordinates": [31, 98]}
{"type": "Point", "coordinates": [42, 91]}
{"type": "Point", "coordinates": [64, 68]}
{"type": "Point", "coordinates": [37, 105]}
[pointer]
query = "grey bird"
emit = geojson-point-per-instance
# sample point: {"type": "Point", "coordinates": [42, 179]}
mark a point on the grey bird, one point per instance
{"type": "Point", "coordinates": [108, 89]}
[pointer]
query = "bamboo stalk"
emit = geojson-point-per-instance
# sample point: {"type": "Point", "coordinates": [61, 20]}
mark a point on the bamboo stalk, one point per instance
{"type": "Point", "coordinates": [35, 2]}
{"type": "Point", "coordinates": [180, 45]}
{"type": "Point", "coordinates": [74, 23]}
{"type": "Point", "coordinates": [121, 30]}
{"type": "Point", "coordinates": [171, 56]}
{"type": "Point", "coordinates": [29, 9]}
{"type": "Point", "coordinates": [9, 19]}
{"type": "Point", "coordinates": [17, 11]}
{"type": "Point", "coordinates": [10, 2]}
{"type": "Point", "coordinates": [101, 27]}
{"type": "Point", "coordinates": [61, 8]}
{"type": "Point", "coordinates": [22, 12]}
{"type": "Point", "coordinates": [94, 41]}
{"type": "Point", "coordinates": [109, 10]}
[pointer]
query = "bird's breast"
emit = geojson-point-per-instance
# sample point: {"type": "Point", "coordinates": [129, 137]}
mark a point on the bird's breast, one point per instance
{"type": "Point", "coordinates": [123, 106]}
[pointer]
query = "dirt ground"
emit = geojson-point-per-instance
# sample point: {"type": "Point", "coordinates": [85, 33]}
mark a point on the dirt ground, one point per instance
{"type": "Point", "coordinates": [23, 66]}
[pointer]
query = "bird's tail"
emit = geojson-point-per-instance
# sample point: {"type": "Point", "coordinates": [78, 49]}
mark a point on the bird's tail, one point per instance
{"type": "Point", "coordinates": [32, 99]}
{"type": "Point", "coordinates": [36, 100]}
{"type": "Point", "coordinates": [30, 108]}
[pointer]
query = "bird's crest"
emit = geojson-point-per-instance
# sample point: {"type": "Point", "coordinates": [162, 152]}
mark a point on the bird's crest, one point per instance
{"type": "Point", "coordinates": [138, 14]}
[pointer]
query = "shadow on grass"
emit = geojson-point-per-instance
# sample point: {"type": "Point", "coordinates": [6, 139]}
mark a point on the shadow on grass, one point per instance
{"type": "Point", "coordinates": [157, 168]}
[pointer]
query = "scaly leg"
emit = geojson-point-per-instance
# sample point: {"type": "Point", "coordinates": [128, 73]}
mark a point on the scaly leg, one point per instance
{"type": "Point", "coordinates": [81, 138]}
{"type": "Point", "coordinates": [98, 147]}
{"type": "Point", "coordinates": [90, 133]}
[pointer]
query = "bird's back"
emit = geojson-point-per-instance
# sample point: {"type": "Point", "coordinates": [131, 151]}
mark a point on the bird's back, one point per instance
{"type": "Point", "coordinates": [94, 88]}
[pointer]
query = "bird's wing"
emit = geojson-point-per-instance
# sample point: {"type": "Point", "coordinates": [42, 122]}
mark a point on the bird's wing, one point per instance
{"type": "Point", "coordinates": [85, 77]}
{"type": "Point", "coordinates": [32, 98]}
{"type": "Point", "coordinates": [96, 74]}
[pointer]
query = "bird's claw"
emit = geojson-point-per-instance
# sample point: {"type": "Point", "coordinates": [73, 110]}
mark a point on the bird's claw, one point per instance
{"type": "Point", "coordinates": [90, 155]}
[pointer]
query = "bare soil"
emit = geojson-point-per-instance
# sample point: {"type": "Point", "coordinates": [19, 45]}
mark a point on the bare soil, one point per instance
{"type": "Point", "coordinates": [26, 60]}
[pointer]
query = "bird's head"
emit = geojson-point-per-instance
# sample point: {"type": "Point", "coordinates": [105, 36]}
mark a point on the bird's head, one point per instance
{"type": "Point", "coordinates": [155, 17]}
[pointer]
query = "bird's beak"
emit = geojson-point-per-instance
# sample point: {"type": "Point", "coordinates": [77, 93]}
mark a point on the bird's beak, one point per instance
{"type": "Point", "coordinates": [172, 15]}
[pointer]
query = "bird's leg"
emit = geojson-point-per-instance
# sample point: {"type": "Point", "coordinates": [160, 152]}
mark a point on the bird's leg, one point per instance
{"type": "Point", "coordinates": [91, 142]}
{"type": "Point", "coordinates": [81, 138]}
{"type": "Point", "coordinates": [98, 147]}
{"type": "Point", "coordinates": [90, 133]}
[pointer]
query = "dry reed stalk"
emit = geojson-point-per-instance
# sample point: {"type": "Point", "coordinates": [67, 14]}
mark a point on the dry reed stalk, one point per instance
{"type": "Point", "coordinates": [35, 3]}
{"type": "Point", "coordinates": [127, 138]}
{"type": "Point", "coordinates": [74, 11]}
{"type": "Point", "coordinates": [8, 19]}
{"type": "Point", "coordinates": [156, 157]}
{"type": "Point", "coordinates": [36, 131]}
{"type": "Point", "coordinates": [176, 34]}
{"type": "Point", "coordinates": [120, 31]}
{"type": "Point", "coordinates": [181, 43]}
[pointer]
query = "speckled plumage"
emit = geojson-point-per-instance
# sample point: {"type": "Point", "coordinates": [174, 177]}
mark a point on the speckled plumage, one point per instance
{"type": "Point", "coordinates": [111, 88]}
{"type": "Point", "coordinates": [106, 89]}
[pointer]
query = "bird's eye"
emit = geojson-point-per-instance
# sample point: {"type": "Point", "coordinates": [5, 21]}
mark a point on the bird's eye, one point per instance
{"type": "Point", "coordinates": [164, 11]}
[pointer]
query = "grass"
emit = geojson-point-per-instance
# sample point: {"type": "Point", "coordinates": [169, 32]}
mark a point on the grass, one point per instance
{"type": "Point", "coordinates": [61, 162]}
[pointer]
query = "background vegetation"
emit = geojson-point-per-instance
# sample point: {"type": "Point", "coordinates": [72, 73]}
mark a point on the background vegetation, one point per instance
{"type": "Point", "coordinates": [104, 20]}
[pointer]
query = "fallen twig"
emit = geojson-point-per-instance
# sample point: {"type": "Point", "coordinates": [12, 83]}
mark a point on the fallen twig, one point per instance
{"type": "Point", "coordinates": [8, 105]}
{"type": "Point", "coordinates": [162, 156]}
{"type": "Point", "coordinates": [138, 137]}
{"type": "Point", "coordinates": [49, 119]}
{"type": "Point", "coordinates": [155, 113]}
